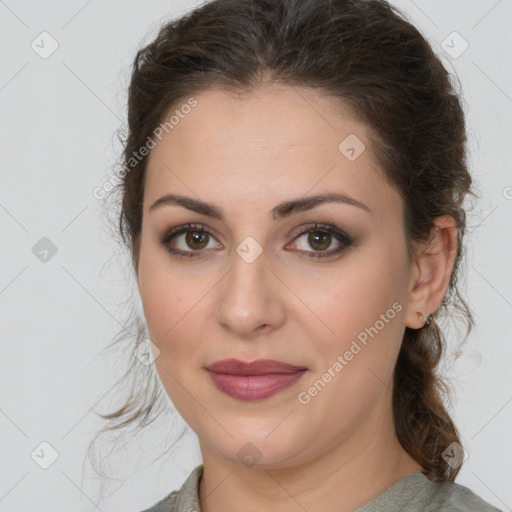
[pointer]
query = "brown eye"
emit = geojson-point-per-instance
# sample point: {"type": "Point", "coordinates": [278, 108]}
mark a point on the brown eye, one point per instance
{"type": "Point", "coordinates": [321, 237]}
{"type": "Point", "coordinates": [196, 239]}
{"type": "Point", "coordinates": [190, 241]}
{"type": "Point", "coordinates": [319, 240]}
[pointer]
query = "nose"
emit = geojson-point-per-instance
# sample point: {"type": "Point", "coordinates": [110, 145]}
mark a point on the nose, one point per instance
{"type": "Point", "coordinates": [250, 301]}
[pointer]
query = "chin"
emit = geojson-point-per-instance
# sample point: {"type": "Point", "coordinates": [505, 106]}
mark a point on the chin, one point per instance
{"type": "Point", "coordinates": [263, 451]}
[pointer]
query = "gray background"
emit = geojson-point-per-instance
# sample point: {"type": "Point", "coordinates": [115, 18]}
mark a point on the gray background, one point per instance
{"type": "Point", "coordinates": [59, 117]}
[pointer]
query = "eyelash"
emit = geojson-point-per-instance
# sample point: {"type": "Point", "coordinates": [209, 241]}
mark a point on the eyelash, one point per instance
{"type": "Point", "coordinates": [344, 240]}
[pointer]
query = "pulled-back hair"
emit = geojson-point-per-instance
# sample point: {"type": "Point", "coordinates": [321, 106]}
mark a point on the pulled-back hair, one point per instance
{"type": "Point", "coordinates": [366, 55]}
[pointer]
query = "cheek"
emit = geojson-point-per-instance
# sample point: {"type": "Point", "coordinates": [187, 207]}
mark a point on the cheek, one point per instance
{"type": "Point", "coordinates": [161, 303]}
{"type": "Point", "coordinates": [173, 302]}
{"type": "Point", "coordinates": [165, 306]}
{"type": "Point", "coordinates": [356, 363]}
{"type": "Point", "coordinates": [355, 295]}
{"type": "Point", "coordinates": [360, 306]}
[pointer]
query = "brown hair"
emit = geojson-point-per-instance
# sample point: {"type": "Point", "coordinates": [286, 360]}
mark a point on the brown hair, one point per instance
{"type": "Point", "coordinates": [365, 54]}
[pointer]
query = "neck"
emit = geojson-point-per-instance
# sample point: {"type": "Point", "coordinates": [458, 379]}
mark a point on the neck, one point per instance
{"type": "Point", "coordinates": [343, 478]}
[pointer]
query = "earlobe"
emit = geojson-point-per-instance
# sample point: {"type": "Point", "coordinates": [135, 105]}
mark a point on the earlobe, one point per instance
{"type": "Point", "coordinates": [432, 272]}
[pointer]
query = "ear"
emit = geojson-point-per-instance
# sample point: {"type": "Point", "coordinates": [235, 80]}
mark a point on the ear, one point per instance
{"type": "Point", "coordinates": [431, 271]}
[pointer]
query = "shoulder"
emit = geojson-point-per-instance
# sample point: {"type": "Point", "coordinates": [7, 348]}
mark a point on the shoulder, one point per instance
{"type": "Point", "coordinates": [184, 499]}
{"type": "Point", "coordinates": [168, 504]}
{"type": "Point", "coordinates": [453, 497]}
{"type": "Point", "coordinates": [416, 493]}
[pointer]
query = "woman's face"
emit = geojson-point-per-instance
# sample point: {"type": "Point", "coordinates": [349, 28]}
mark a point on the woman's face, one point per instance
{"type": "Point", "coordinates": [250, 286]}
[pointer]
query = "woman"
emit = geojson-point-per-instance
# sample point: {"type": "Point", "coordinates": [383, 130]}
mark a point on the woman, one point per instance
{"type": "Point", "coordinates": [292, 198]}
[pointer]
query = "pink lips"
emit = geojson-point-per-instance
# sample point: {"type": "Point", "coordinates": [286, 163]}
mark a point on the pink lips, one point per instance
{"type": "Point", "coordinates": [253, 381]}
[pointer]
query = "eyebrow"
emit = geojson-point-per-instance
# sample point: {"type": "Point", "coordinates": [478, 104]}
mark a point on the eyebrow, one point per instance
{"type": "Point", "coordinates": [280, 211]}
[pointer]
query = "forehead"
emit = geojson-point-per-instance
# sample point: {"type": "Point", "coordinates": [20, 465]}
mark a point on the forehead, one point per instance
{"type": "Point", "coordinates": [266, 146]}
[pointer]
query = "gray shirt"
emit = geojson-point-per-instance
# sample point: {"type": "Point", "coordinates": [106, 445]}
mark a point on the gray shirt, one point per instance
{"type": "Point", "coordinates": [413, 493]}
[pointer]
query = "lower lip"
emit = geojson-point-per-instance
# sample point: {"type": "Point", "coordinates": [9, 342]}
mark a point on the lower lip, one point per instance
{"type": "Point", "coordinates": [254, 387]}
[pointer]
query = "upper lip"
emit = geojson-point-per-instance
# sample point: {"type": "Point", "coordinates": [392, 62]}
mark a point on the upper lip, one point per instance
{"type": "Point", "coordinates": [258, 367]}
